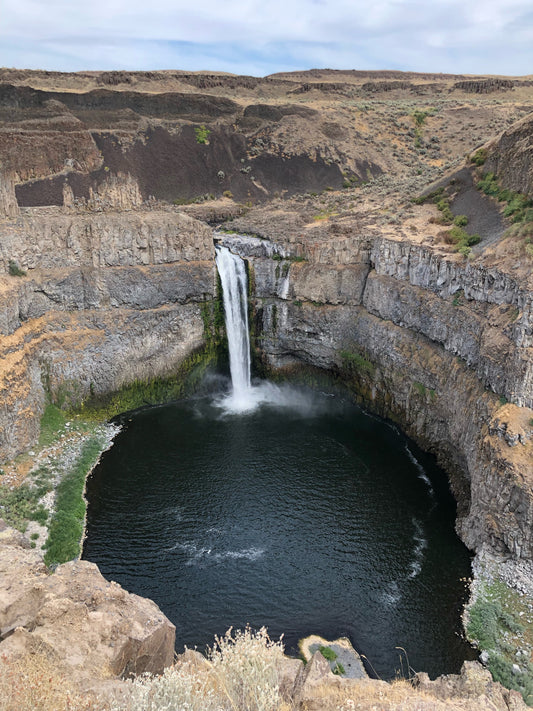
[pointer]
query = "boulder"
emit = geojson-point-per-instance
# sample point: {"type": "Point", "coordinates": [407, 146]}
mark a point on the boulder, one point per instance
{"type": "Point", "coordinates": [93, 627]}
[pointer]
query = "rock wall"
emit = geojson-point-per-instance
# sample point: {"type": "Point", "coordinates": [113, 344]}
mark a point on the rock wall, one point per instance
{"type": "Point", "coordinates": [510, 156]}
{"type": "Point", "coordinates": [108, 299]}
{"type": "Point", "coordinates": [433, 342]}
{"type": "Point", "coordinates": [8, 200]}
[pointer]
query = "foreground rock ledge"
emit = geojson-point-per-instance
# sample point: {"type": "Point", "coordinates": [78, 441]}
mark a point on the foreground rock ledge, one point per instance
{"type": "Point", "coordinates": [93, 628]}
{"type": "Point", "coordinates": [96, 633]}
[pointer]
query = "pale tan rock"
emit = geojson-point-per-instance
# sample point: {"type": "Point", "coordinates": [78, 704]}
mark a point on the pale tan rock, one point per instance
{"type": "Point", "coordinates": [94, 627]}
{"type": "Point", "coordinates": [315, 672]}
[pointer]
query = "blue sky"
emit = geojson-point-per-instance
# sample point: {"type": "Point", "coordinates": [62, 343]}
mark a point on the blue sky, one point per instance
{"type": "Point", "coordinates": [258, 38]}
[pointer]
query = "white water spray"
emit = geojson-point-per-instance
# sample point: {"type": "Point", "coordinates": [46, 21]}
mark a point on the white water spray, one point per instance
{"type": "Point", "coordinates": [232, 273]}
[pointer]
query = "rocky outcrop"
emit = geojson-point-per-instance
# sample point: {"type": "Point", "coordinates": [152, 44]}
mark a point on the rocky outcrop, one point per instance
{"type": "Point", "coordinates": [471, 690]}
{"type": "Point", "coordinates": [510, 156]}
{"type": "Point", "coordinates": [484, 86]}
{"type": "Point", "coordinates": [94, 628]}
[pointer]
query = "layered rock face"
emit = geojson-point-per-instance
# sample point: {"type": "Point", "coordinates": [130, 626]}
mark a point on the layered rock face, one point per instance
{"type": "Point", "coordinates": [108, 299]}
{"type": "Point", "coordinates": [429, 340]}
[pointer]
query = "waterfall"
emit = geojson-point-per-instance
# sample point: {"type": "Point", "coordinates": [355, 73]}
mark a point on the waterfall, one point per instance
{"type": "Point", "coordinates": [232, 273]}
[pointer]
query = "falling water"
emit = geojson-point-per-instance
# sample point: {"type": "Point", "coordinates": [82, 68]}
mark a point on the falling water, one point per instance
{"type": "Point", "coordinates": [234, 286]}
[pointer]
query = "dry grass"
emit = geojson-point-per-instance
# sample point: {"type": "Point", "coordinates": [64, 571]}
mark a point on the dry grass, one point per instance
{"type": "Point", "coordinates": [240, 674]}
{"type": "Point", "coordinates": [372, 695]}
{"type": "Point", "coordinates": [33, 683]}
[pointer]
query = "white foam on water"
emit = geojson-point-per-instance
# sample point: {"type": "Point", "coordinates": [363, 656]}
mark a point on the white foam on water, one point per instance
{"type": "Point", "coordinates": [421, 471]}
{"type": "Point", "coordinates": [391, 595]}
{"type": "Point", "coordinates": [304, 403]}
{"type": "Point", "coordinates": [203, 554]}
{"type": "Point", "coordinates": [420, 545]}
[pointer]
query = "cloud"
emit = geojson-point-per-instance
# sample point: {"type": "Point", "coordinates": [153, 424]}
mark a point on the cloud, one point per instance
{"type": "Point", "coordinates": [255, 37]}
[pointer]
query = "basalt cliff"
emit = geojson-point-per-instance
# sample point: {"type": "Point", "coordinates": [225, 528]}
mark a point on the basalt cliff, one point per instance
{"type": "Point", "coordinates": [111, 184]}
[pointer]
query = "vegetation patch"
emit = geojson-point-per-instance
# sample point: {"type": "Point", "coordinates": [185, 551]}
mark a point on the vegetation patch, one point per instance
{"type": "Point", "coordinates": [462, 241]}
{"type": "Point", "coordinates": [419, 387]}
{"type": "Point", "coordinates": [356, 363]}
{"type": "Point", "coordinates": [14, 269]}
{"type": "Point", "coordinates": [198, 200]}
{"type": "Point", "coordinates": [67, 524]}
{"type": "Point", "coordinates": [34, 682]}
{"type": "Point", "coordinates": [202, 135]}
{"type": "Point", "coordinates": [500, 623]}
{"type": "Point", "coordinates": [324, 214]}
{"type": "Point", "coordinates": [52, 422]}
{"type": "Point", "coordinates": [143, 393]}
{"type": "Point", "coordinates": [419, 117]}
{"type": "Point", "coordinates": [457, 236]}
{"type": "Point", "coordinates": [241, 673]}
{"type": "Point", "coordinates": [20, 504]}
{"type": "Point", "coordinates": [328, 653]}
{"type": "Point", "coordinates": [518, 207]}
{"type": "Point", "coordinates": [479, 157]}
{"type": "Point", "coordinates": [339, 669]}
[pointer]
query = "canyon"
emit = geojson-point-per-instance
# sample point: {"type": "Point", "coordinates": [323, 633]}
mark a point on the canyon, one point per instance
{"type": "Point", "coordinates": [112, 183]}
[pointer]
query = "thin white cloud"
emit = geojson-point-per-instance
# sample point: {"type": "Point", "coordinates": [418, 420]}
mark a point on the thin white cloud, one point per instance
{"type": "Point", "coordinates": [253, 36]}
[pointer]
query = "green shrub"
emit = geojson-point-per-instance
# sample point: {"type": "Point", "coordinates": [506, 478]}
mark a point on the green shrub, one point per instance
{"type": "Point", "coordinates": [462, 240]}
{"type": "Point", "coordinates": [460, 220]}
{"type": "Point", "coordinates": [489, 184]}
{"type": "Point", "coordinates": [420, 117]}
{"type": "Point", "coordinates": [202, 134]}
{"type": "Point", "coordinates": [15, 270]}
{"type": "Point", "coordinates": [328, 653]}
{"type": "Point", "coordinates": [479, 157]}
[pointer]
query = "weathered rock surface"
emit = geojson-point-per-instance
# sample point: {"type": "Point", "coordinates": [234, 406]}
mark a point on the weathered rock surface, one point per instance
{"type": "Point", "coordinates": [108, 299]}
{"type": "Point", "coordinates": [94, 628]}
{"type": "Point", "coordinates": [510, 156]}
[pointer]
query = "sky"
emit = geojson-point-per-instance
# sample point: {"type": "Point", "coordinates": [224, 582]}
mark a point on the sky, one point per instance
{"type": "Point", "coordinates": [260, 38]}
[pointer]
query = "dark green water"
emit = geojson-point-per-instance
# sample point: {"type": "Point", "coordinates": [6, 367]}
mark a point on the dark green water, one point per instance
{"type": "Point", "coordinates": [312, 517]}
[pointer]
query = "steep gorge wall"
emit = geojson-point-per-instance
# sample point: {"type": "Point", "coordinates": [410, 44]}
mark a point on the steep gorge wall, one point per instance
{"type": "Point", "coordinates": [108, 299]}
{"type": "Point", "coordinates": [434, 343]}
